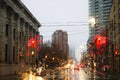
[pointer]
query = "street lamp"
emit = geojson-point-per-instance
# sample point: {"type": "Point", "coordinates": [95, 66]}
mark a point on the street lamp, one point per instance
{"type": "Point", "coordinates": [45, 65]}
{"type": "Point", "coordinates": [32, 56]}
{"type": "Point", "coordinates": [32, 52]}
{"type": "Point", "coordinates": [46, 56]}
{"type": "Point", "coordinates": [53, 58]}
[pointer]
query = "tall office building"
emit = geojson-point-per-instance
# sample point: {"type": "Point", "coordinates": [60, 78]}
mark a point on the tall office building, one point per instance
{"type": "Point", "coordinates": [60, 39]}
{"type": "Point", "coordinates": [100, 10]}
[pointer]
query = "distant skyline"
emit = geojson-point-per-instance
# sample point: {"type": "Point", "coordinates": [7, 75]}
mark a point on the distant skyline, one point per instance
{"type": "Point", "coordinates": [67, 15]}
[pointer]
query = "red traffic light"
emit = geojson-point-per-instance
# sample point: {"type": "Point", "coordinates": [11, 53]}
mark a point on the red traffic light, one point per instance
{"type": "Point", "coordinates": [99, 40]}
{"type": "Point", "coordinates": [32, 42]}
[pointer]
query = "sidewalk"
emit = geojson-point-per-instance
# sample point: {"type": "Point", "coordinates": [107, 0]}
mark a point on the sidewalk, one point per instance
{"type": "Point", "coordinates": [99, 74]}
{"type": "Point", "coordinates": [106, 76]}
{"type": "Point", "coordinates": [26, 68]}
{"type": "Point", "coordinates": [16, 76]}
{"type": "Point", "coordinates": [10, 77]}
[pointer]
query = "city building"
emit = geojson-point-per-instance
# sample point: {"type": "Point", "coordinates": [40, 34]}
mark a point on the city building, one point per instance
{"type": "Point", "coordinates": [111, 30]}
{"type": "Point", "coordinates": [100, 10]}
{"type": "Point", "coordinates": [17, 27]}
{"type": "Point", "coordinates": [60, 39]}
{"type": "Point", "coordinates": [114, 37]}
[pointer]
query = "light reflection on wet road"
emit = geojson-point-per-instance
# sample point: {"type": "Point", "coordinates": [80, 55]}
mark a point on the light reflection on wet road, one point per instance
{"type": "Point", "coordinates": [58, 75]}
{"type": "Point", "coordinates": [63, 74]}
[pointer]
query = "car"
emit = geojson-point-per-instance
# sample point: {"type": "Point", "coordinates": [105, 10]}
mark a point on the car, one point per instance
{"type": "Point", "coordinates": [82, 65]}
{"type": "Point", "coordinates": [76, 67]}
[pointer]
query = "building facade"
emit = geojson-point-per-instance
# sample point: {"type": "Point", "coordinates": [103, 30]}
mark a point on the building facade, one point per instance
{"type": "Point", "coordinates": [17, 26]}
{"type": "Point", "coordinates": [114, 36]}
{"type": "Point", "coordinates": [112, 32]}
{"type": "Point", "coordinates": [60, 39]}
{"type": "Point", "coordinates": [100, 10]}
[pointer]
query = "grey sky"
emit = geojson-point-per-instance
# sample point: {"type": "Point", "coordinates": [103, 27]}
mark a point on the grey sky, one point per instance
{"type": "Point", "coordinates": [62, 12]}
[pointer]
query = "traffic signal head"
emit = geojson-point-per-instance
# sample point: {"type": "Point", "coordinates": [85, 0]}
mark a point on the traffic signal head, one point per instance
{"type": "Point", "coordinates": [99, 40]}
{"type": "Point", "coordinates": [32, 42]}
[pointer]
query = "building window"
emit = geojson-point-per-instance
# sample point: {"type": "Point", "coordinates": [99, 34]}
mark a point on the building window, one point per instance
{"type": "Point", "coordinates": [13, 34]}
{"type": "Point", "coordinates": [2, 4]}
{"type": "Point", "coordinates": [13, 54]}
{"type": "Point", "coordinates": [9, 12]}
{"type": "Point", "coordinates": [119, 43]}
{"type": "Point", "coordinates": [15, 18]}
{"type": "Point", "coordinates": [118, 1]}
{"type": "Point", "coordinates": [6, 53]}
{"type": "Point", "coordinates": [20, 36]}
{"type": "Point", "coordinates": [119, 12]}
{"type": "Point", "coordinates": [6, 30]}
{"type": "Point", "coordinates": [21, 22]}
{"type": "Point", "coordinates": [119, 28]}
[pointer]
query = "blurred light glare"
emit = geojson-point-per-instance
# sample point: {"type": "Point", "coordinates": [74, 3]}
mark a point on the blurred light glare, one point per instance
{"type": "Point", "coordinates": [92, 21]}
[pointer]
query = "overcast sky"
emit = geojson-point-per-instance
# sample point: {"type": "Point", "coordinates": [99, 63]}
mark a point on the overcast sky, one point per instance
{"type": "Point", "coordinates": [68, 15]}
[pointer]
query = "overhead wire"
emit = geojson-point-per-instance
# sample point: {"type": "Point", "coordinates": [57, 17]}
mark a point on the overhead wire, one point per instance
{"type": "Point", "coordinates": [55, 24]}
{"type": "Point", "coordinates": [71, 33]}
{"type": "Point", "coordinates": [65, 22]}
{"type": "Point", "coordinates": [67, 31]}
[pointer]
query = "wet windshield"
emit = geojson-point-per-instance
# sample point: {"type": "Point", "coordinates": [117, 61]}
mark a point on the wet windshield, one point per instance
{"type": "Point", "coordinates": [59, 39]}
